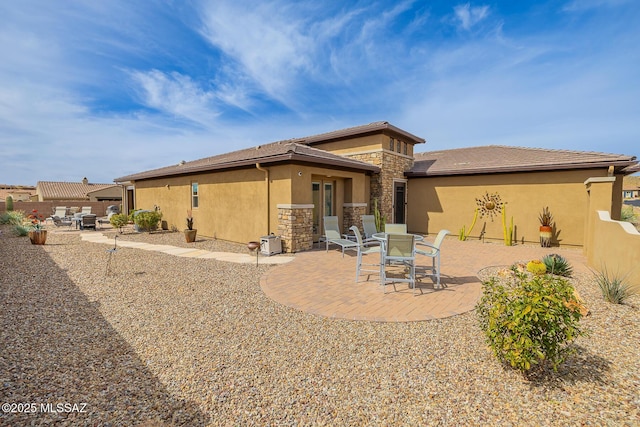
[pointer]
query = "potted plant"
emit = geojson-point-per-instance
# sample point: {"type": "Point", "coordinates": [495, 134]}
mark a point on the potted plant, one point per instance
{"type": "Point", "coordinates": [37, 234]}
{"type": "Point", "coordinates": [190, 232]}
{"type": "Point", "coordinates": [546, 230]}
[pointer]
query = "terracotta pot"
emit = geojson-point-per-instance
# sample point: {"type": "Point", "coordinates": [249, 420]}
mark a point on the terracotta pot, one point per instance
{"type": "Point", "coordinates": [190, 235]}
{"type": "Point", "coordinates": [38, 237]}
{"type": "Point", "coordinates": [546, 232]}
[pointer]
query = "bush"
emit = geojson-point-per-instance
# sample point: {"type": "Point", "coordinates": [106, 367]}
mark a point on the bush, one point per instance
{"type": "Point", "coordinates": [614, 289]}
{"type": "Point", "coordinates": [627, 214]}
{"type": "Point", "coordinates": [558, 265]}
{"type": "Point", "coordinates": [536, 267]}
{"type": "Point", "coordinates": [119, 221]}
{"type": "Point", "coordinates": [529, 321]}
{"type": "Point", "coordinates": [21, 230]}
{"type": "Point", "coordinates": [147, 221]}
{"type": "Point", "coordinates": [12, 218]}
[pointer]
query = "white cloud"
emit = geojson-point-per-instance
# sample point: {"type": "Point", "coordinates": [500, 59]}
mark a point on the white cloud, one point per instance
{"type": "Point", "coordinates": [469, 16]}
{"type": "Point", "coordinates": [177, 95]}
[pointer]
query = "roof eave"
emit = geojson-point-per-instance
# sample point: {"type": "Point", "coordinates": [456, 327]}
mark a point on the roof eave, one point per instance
{"type": "Point", "coordinates": [619, 165]}
{"type": "Point", "coordinates": [280, 158]}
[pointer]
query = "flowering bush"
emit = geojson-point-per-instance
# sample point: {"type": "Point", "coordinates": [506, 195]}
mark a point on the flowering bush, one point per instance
{"type": "Point", "coordinates": [36, 220]}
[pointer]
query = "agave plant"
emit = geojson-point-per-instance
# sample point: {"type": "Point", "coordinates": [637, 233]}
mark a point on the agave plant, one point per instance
{"type": "Point", "coordinates": [558, 265]}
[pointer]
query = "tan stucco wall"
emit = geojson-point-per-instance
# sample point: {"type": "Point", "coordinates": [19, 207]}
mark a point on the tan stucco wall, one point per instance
{"type": "Point", "coordinates": [449, 203]}
{"type": "Point", "coordinates": [233, 204]}
{"type": "Point", "coordinates": [363, 144]}
{"type": "Point", "coordinates": [107, 193]}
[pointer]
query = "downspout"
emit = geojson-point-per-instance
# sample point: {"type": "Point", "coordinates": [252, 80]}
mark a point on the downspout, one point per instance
{"type": "Point", "coordinates": [266, 178]}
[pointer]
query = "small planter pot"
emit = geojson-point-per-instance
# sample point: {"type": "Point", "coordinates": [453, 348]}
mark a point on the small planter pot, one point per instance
{"type": "Point", "coordinates": [190, 235]}
{"type": "Point", "coordinates": [38, 237]}
{"type": "Point", "coordinates": [545, 236]}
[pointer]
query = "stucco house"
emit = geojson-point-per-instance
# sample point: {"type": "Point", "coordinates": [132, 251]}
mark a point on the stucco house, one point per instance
{"type": "Point", "coordinates": [286, 187]}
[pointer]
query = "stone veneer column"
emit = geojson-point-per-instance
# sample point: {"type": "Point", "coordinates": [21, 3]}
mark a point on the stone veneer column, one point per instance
{"type": "Point", "coordinates": [392, 166]}
{"type": "Point", "coordinates": [352, 215]}
{"type": "Point", "coordinates": [295, 227]}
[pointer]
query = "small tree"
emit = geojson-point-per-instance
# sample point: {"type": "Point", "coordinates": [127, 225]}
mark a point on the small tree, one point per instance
{"type": "Point", "coordinates": [119, 221]}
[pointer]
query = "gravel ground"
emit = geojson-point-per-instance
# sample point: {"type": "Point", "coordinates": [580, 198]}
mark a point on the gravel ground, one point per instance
{"type": "Point", "coordinates": [166, 340]}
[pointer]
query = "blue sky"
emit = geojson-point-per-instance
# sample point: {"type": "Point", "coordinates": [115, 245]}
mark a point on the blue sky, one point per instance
{"type": "Point", "coordinates": [105, 89]}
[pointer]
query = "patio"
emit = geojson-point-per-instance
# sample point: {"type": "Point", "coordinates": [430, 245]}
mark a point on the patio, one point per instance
{"type": "Point", "coordinates": [327, 285]}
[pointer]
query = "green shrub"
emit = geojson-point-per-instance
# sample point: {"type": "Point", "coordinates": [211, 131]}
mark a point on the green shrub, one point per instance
{"type": "Point", "coordinates": [626, 214]}
{"type": "Point", "coordinates": [12, 218]}
{"type": "Point", "coordinates": [147, 221]}
{"type": "Point", "coordinates": [614, 289]}
{"type": "Point", "coordinates": [529, 321]}
{"type": "Point", "coordinates": [536, 267]}
{"type": "Point", "coordinates": [21, 230]}
{"type": "Point", "coordinates": [558, 265]}
{"type": "Point", "coordinates": [119, 221]}
{"type": "Point", "coordinates": [8, 204]}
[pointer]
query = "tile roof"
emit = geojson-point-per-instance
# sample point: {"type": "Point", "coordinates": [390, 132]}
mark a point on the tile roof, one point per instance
{"type": "Point", "coordinates": [264, 154]}
{"type": "Point", "coordinates": [498, 158]}
{"type": "Point", "coordinates": [68, 190]}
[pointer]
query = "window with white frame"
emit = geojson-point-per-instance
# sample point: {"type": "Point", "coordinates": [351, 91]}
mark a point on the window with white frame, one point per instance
{"type": "Point", "coordinates": [194, 195]}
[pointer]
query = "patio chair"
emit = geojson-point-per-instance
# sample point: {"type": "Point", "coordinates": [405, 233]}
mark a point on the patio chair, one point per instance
{"type": "Point", "coordinates": [433, 251]}
{"type": "Point", "coordinates": [88, 221]}
{"type": "Point", "coordinates": [332, 234]}
{"type": "Point", "coordinates": [59, 222]}
{"type": "Point", "coordinates": [86, 210]}
{"type": "Point", "coordinates": [60, 212]}
{"type": "Point", "coordinates": [395, 228]}
{"type": "Point", "coordinates": [399, 253]}
{"type": "Point", "coordinates": [366, 248]}
{"type": "Point", "coordinates": [369, 227]}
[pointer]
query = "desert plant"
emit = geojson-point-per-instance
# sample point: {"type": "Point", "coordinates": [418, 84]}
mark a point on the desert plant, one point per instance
{"type": "Point", "coordinates": [529, 321]}
{"type": "Point", "coordinates": [558, 265]}
{"type": "Point", "coordinates": [21, 230]}
{"type": "Point", "coordinates": [507, 232]}
{"type": "Point", "coordinates": [463, 232]}
{"type": "Point", "coordinates": [12, 218]}
{"type": "Point", "coordinates": [119, 221]}
{"type": "Point", "coordinates": [626, 214]}
{"type": "Point", "coordinates": [545, 217]}
{"type": "Point", "coordinates": [147, 221]}
{"type": "Point", "coordinates": [189, 219]}
{"type": "Point", "coordinates": [536, 267]}
{"type": "Point", "coordinates": [8, 206]}
{"type": "Point", "coordinates": [615, 289]}
{"type": "Point", "coordinates": [380, 220]}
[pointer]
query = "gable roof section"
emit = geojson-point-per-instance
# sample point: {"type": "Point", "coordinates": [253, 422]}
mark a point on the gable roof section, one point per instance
{"type": "Point", "coordinates": [275, 152]}
{"type": "Point", "coordinates": [501, 159]}
{"type": "Point", "coordinates": [68, 190]}
{"type": "Point", "coordinates": [371, 128]}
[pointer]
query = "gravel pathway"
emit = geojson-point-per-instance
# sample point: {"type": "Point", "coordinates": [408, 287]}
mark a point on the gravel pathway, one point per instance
{"type": "Point", "coordinates": [166, 340]}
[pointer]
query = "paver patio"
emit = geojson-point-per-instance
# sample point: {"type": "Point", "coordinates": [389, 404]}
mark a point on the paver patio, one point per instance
{"type": "Point", "coordinates": [323, 283]}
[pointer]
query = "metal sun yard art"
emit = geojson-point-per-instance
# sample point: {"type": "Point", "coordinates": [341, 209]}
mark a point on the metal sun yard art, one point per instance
{"type": "Point", "coordinates": [490, 205]}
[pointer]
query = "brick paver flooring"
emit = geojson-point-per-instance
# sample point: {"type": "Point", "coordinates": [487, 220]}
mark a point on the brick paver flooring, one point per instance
{"type": "Point", "coordinates": [323, 283]}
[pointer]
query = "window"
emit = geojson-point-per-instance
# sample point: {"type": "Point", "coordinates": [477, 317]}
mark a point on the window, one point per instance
{"type": "Point", "coordinates": [405, 148]}
{"type": "Point", "coordinates": [194, 194]}
{"type": "Point", "coordinates": [391, 147]}
{"type": "Point", "coordinates": [398, 145]}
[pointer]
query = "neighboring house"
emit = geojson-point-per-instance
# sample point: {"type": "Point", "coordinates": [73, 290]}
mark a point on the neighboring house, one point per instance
{"type": "Point", "coordinates": [77, 191]}
{"type": "Point", "coordinates": [631, 187]}
{"type": "Point", "coordinates": [19, 193]}
{"type": "Point", "coordinates": [444, 187]}
{"type": "Point", "coordinates": [287, 187]}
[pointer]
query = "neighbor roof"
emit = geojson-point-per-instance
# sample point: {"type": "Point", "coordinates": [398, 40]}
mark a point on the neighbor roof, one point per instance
{"type": "Point", "coordinates": [274, 152]}
{"type": "Point", "coordinates": [68, 190]}
{"type": "Point", "coordinates": [499, 158]}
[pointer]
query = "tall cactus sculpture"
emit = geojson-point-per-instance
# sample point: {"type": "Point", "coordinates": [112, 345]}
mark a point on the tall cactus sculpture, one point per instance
{"type": "Point", "coordinates": [380, 221]}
